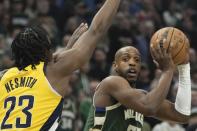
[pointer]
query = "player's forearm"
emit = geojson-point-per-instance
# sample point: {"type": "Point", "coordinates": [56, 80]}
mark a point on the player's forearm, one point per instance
{"type": "Point", "coordinates": [97, 29]}
{"type": "Point", "coordinates": [180, 111]}
{"type": "Point", "coordinates": [155, 98]}
{"type": "Point", "coordinates": [104, 17]}
{"type": "Point", "coordinates": [168, 112]}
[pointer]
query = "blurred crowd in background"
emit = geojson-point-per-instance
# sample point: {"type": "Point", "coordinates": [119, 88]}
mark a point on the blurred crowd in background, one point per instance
{"type": "Point", "coordinates": [134, 25]}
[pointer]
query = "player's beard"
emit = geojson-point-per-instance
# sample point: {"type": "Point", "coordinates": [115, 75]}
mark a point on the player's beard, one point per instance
{"type": "Point", "coordinates": [124, 75]}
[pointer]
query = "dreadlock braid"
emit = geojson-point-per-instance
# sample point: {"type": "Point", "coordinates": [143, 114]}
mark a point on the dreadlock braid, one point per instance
{"type": "Point", "coordinates": [30, 46]}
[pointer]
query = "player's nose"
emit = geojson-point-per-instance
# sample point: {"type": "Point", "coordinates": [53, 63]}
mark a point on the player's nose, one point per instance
{"type": "Point", "coordinates": [132, 62]}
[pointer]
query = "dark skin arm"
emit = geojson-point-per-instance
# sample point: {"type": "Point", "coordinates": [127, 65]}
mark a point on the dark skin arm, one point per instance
{"type": "Point", "coordinates": [149, 104]}
{"type": "Point", "coordinates": [70, 60]}
{"type": "Point", "coordinates": [168, 112]}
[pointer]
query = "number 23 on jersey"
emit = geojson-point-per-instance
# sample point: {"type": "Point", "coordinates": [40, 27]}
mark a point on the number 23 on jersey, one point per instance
{"type": "Point", "coordinates": [24, 104]}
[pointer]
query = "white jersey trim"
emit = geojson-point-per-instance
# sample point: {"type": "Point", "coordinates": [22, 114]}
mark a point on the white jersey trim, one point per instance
{"type": "Point", "coordinates": [55, 125]}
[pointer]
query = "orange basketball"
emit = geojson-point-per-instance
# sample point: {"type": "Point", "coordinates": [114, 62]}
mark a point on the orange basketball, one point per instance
{"type": "Point", "coordinates": [174, 37]}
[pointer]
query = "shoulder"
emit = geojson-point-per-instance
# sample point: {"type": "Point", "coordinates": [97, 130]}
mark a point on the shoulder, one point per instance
{"type": "Point", "coordinates": [114, 82]}
{"type": "Point", "coordinates": [113, 79]}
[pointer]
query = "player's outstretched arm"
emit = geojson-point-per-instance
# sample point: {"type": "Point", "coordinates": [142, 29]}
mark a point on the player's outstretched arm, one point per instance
{"type": "Point", "coordinates": [72, 59]}
{"type": "Point", "coordinates": [149, 103]}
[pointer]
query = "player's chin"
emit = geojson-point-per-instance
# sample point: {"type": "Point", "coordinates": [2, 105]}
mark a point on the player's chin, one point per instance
{"type": "Point", "coordinates": [132, 79]}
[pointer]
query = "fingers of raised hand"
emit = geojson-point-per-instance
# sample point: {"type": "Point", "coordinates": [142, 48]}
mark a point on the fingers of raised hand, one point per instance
{"type": "Point", "coordinates": [84, 27]}
{"type": "Point", "coordinates": [156, 51]}
{"type": "Point", "coordinates": [153, 52]}
{"type": "Point", "coordinates": [162, 48]}
{"type": "Point", "coordinates": [81, 29]}
{"type": "Point", "coordinates": [156, 63]}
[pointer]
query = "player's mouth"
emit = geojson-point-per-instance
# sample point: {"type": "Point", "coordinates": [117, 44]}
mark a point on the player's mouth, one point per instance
{"type": "Point", "coordinates": [132, 73]}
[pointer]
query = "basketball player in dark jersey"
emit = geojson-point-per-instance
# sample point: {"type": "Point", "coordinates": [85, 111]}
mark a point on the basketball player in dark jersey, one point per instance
{"type": "Point", "coordinates": [119, 106]}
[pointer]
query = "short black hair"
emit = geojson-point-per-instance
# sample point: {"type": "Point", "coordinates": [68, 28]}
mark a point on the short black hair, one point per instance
{"type": "Point", "coordinates": [30, 46]}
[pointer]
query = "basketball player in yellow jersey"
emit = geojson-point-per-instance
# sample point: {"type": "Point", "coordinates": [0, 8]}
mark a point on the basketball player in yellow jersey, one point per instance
{"type": "Point", "coordinates": [31, 92]}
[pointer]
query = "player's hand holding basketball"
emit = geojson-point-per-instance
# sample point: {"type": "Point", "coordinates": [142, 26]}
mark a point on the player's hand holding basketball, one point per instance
{"type": "Point", "coordinates": [177, 40]}
{"type": "Point", "coordinates": [162, 56]}
{"type": "Point", "coordinates": [186, 53]}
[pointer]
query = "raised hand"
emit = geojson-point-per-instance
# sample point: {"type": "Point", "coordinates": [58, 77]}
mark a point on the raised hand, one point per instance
{"type": "Point", "coordinates": [77, 33]}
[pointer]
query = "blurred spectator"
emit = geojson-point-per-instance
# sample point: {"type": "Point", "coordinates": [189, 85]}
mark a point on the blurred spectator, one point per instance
{"type": "Point", "coordinates": [143, 78]}
{"type": "Point", "coordinates": [193, 57]}
{"type": "Point", "coordinates": [14, 31]}
{"type": "Point", "coordinates": [49, 24]}
{"type": "Point", "coordinates": [86, 103]}
{"type": "Point", "coordinates": [83, 83]}
{"type": "Point", "coordinates": [42, 7]}
{"type": "Point", "coordinates": [71, 25]}
{"type": "Point", "coordinates": [121, 34]}
{"type": "Point", "coordinates": [5, 24]}
{"type": "Point", "coordinates": [99, 68]}
{"type": "Point", "coordinates": [168, 126]}
{"type": "Point", "coordinates": [19, 18]}
{"type": "Point", "coordinates": [194, 98]}
{"type": "Point", "coordinates": [6, 61]}
{"type": "Point", "coordinates": [69, 113]}
{"type": "Point", "coordinates": [3, 45]}
{"type": "Point", "coordinates": [146, 28]}
{"type": "Point", "coordinates": [30, 8]}
{"type": "Point", "coordinates": [173, 14]}
{"type": "Point", "coordinates": [194, 77]}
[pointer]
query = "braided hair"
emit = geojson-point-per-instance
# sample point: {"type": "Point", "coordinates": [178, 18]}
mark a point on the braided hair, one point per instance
{"type": "Point", "coordinates": [30, 47]}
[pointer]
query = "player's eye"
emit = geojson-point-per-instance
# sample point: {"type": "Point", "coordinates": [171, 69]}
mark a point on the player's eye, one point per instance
{"type": "Point", "coordinates": [125, 59]}
{"type": "Point", "coordinates": [137, 60]}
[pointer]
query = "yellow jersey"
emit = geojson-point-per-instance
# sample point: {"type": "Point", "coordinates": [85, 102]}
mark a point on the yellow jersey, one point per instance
{"type": "Point", "coordinates": [27, 101]}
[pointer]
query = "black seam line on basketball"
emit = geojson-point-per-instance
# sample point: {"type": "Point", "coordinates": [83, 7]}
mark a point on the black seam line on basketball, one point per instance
{"type": "Point", "coordinates": [170, 39]}
{"type": "Point", "coordinates": [180, 49]}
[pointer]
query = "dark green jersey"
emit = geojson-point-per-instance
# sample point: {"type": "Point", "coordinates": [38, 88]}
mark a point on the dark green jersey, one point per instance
{"type": "Point", "coordinates": [114, 118]}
